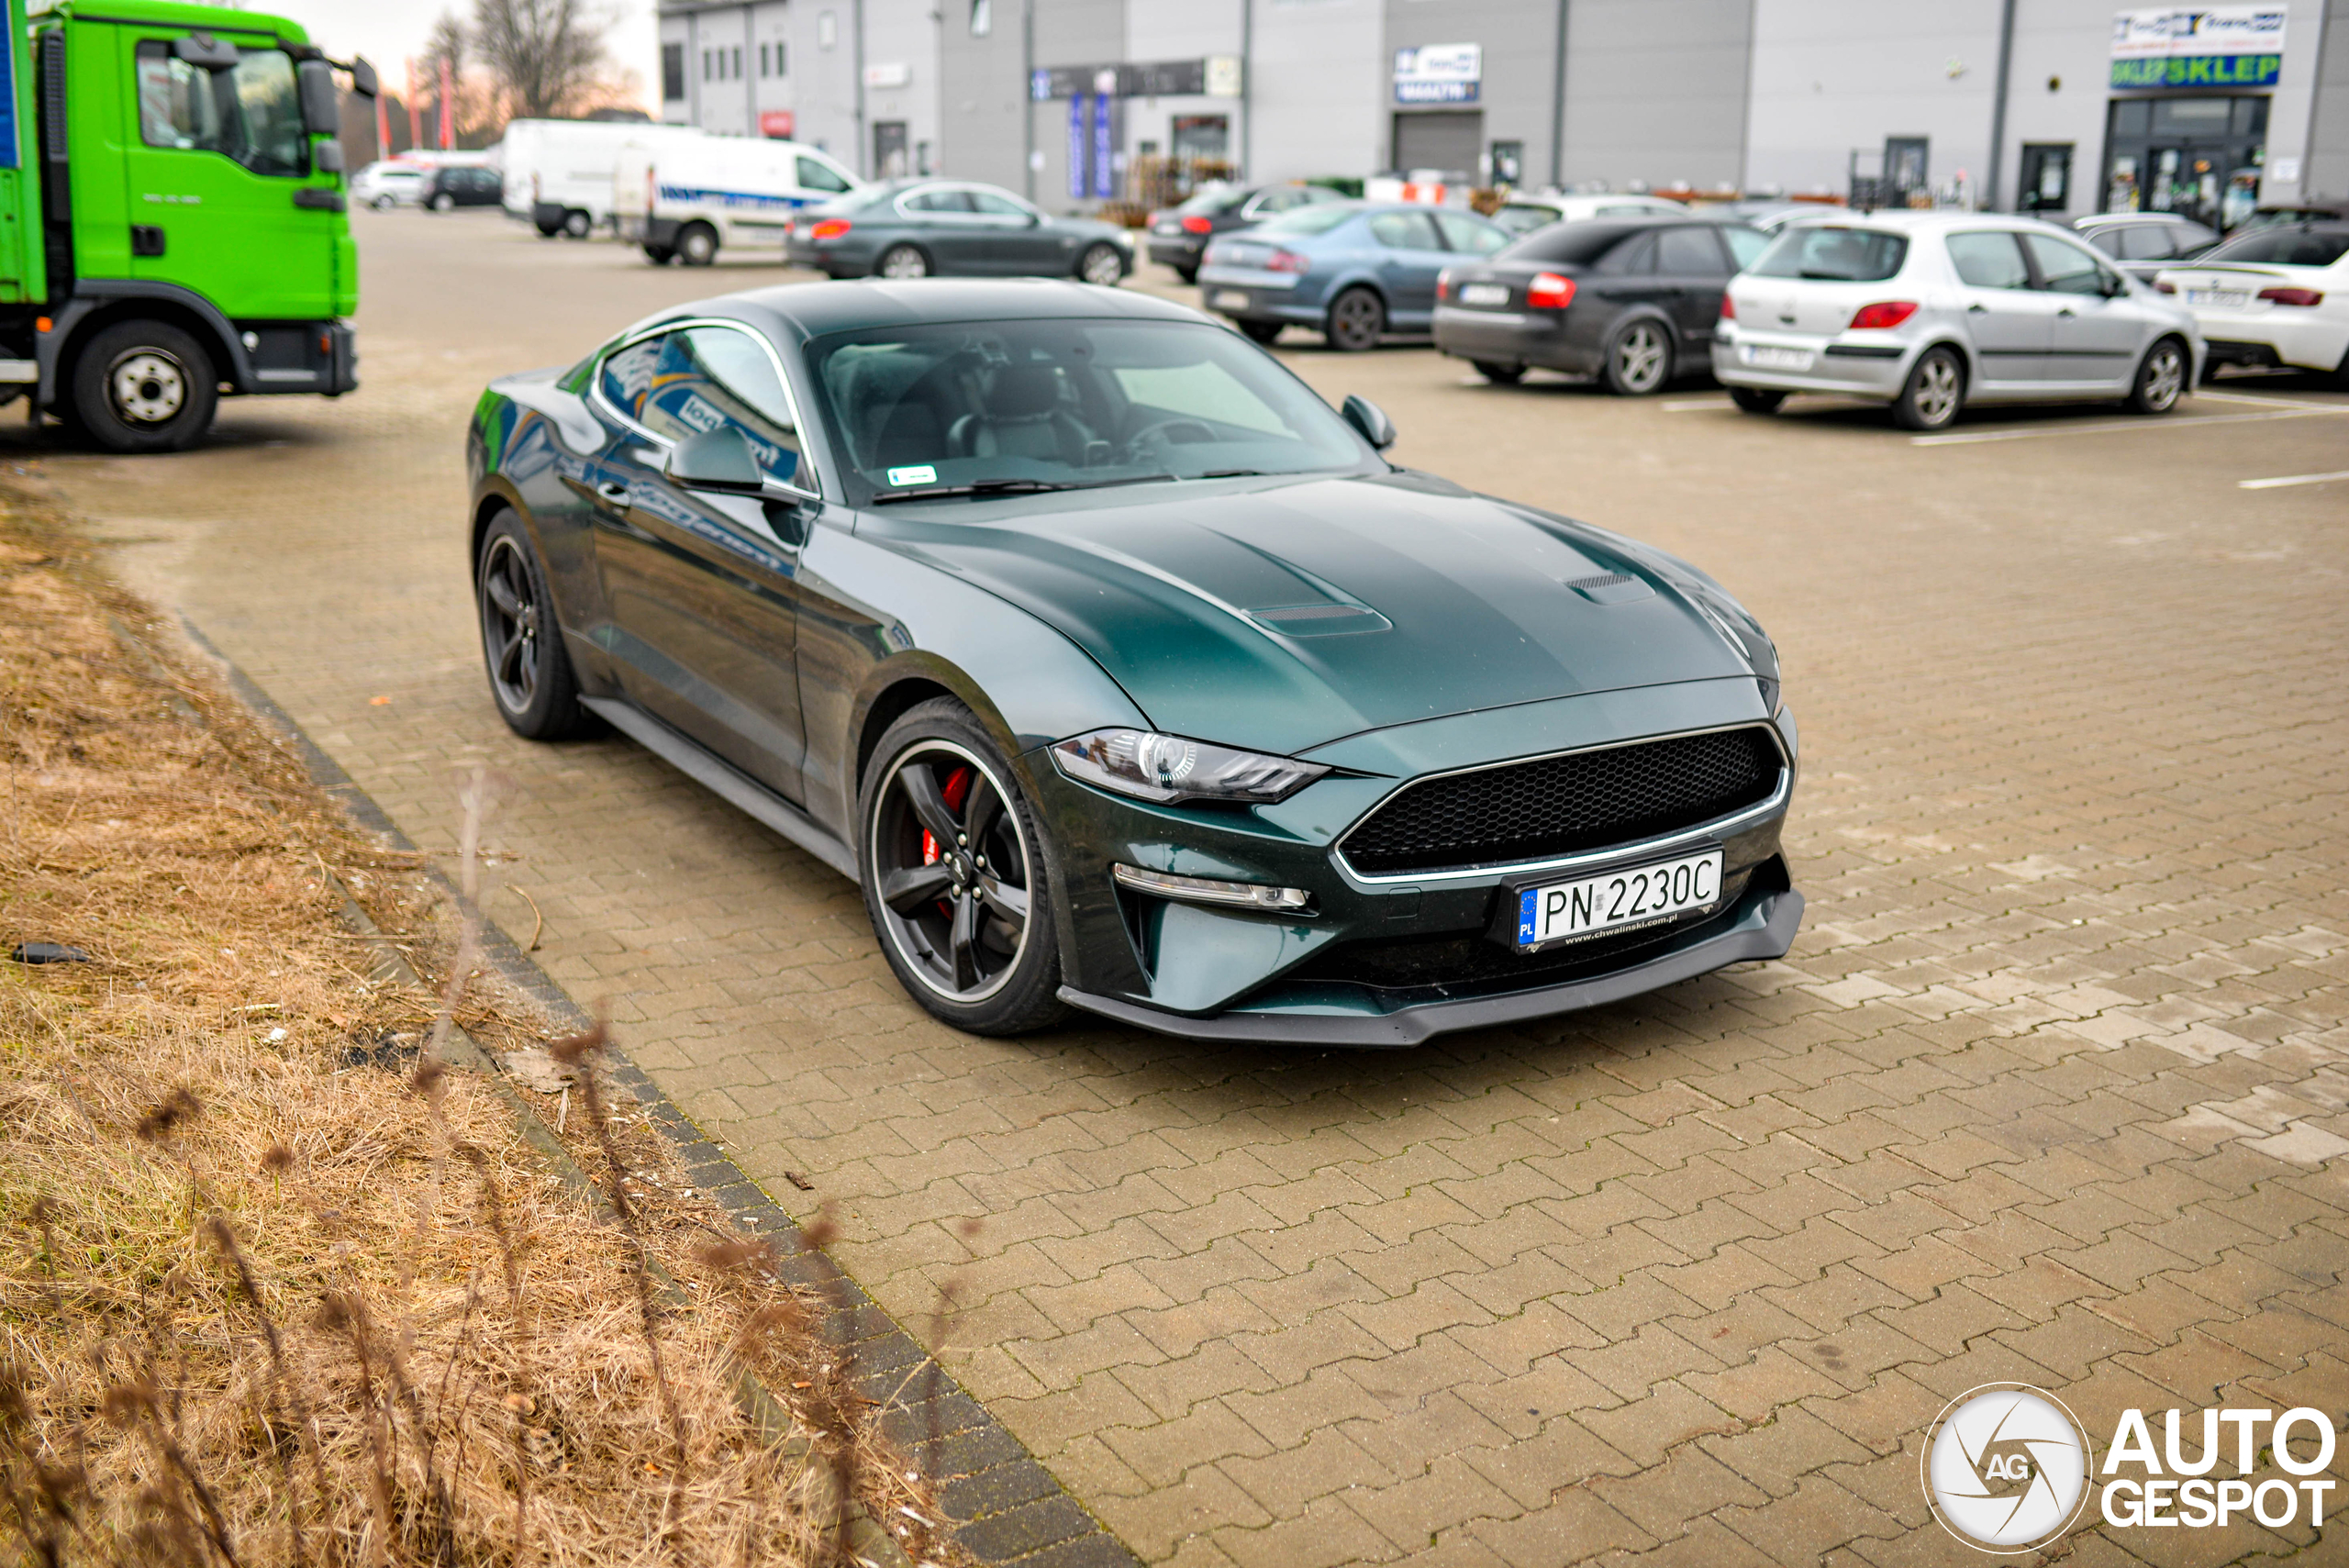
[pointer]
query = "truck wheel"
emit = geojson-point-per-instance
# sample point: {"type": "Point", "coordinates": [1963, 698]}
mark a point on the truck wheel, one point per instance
{"type": "Point", "coordinates": [144, 387]}
{"type": "Point", "coordinates": [576, 224]}
{"type": "Point", "coordinates": [698, 245]}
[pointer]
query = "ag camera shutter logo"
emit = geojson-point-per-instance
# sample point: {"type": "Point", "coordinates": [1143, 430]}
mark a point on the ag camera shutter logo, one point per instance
{"type": "Point", "coordinates": [2005, 1467]}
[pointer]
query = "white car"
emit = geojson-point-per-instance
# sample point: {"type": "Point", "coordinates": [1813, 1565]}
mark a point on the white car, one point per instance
{"type": "Point", "coordinates": [1524, 214]}
{"type": "Point", "coordinates": [2276, 296]}
{"type": "Point", "coordinates": [385, 184]}
{"type": "Point", "coordinates": [1934, 311]}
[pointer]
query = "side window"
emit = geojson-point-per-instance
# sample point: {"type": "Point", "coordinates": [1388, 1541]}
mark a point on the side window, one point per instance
{"type": "Point", "coordinates": [1690, 252]}
{"type": "Point", "coordinates": [2066, 268]}
{"type": "Point", "coordinates": [251, 114]}
{"type": "Point", "coordinates": [936, 199]}
{"type": "Point", "coordinates": [1745, 244]}
{"type": "Point", "coordinates": [2144, 242]}
{"type": "Point", "coordinates": [626, 376]}
{"type": "Point", "coordinates": [1989, 259]}
{"type": "Point", "coordinates": [816, 175]}
{"type": "Point", "coordinates": [1405, 231]}
{"type": "Point", "coordinates": [1466, 234]}
{"type": "Point", "coordinates": [2114, 241]}
{"type": "Point", "coordinates": [705, 378]}
{"type": "Point", "coordinates": [994, 206]}
{"type": "Point", "coordinates": [1633, 256]}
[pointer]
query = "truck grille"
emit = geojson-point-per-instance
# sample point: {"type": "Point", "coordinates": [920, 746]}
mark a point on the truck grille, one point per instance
{"type": "Point", "coordinates": [1564, 806]}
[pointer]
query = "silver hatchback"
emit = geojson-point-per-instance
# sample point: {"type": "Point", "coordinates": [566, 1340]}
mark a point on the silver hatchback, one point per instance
{"type": "Point", "coordinates": [1933, 311]}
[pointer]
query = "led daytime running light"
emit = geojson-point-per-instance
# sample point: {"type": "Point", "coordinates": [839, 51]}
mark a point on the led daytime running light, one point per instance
{"type": "Point", "coordinates": [1210, 890]}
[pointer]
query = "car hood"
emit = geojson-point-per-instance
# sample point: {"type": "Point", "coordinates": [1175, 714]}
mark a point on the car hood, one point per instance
{"type": "Point", "coordinates": [1281, 615]}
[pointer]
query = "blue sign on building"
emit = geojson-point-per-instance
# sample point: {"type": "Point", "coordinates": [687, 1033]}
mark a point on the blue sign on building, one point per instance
{"type": "Point", "coordinates": [1105, 151]}
{"type": "Point", "coordinates": [1078, 140]}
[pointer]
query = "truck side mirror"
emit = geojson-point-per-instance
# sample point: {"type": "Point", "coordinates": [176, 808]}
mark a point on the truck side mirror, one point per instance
{"type": "Point", "coordinates": [321, 116]}
{"type": "Point", "coordinates": [205, 51]}
{"type": "Point", "coordinates": [362, 79]}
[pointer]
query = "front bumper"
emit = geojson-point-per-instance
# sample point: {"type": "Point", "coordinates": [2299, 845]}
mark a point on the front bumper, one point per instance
{"type": "Point", "coordinates": [315, 356]}
{"type": "Point", "coordinates": [1876, 369]}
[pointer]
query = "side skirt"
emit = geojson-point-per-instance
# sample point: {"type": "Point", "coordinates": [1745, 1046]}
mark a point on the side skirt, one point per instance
{"type": "Point", "coordinates": [721, 778]}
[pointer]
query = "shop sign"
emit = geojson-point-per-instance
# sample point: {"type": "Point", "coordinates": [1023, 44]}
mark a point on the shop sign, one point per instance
{"type": "Point", "coordinates": [2210, 46]}
{"type": "Point", "coordinates": [1439, 74]}
{"type": "Point", "coordinates": [897, 73]}
{"type": "Point", "coordinates": [775, 124]}
{"type": "Point", "coordinates": [1158, 78]}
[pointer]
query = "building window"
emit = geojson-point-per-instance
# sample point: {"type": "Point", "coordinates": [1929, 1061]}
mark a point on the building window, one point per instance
{"type": "Point", "coordinates": [828, 30]}
{"type": "Point", "coordinates": [981, 17]}
{"type": "Point", "coordinates": [763, 70]}
{"type": "Point", "coordinates": [673, 71]}
{"type": "Point", "coordinates": [738, 64]}
{"type": "Point", "coordinates": [705, 66]}
{"type": "Point", "coordinates": [782, 60]}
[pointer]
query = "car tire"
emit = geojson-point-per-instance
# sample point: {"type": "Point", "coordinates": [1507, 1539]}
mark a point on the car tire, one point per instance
{"type": "Point", "coordinates": [1498, 373]}
{"type": "Point", "coordinates": [1264, 332]}
{"type": "Point", "coordinates": [1756, 399]}
{"type": "Point", "coordinates": [1639, 359]}
{"type": "Point", "coordinates": [942, 914]}
{"type": "Point", "coordinates": [530, 678]}
{"type": "Point", "coordinates": [442, 201]}
{"type": "Point", "coordinates": [659, 255]}
{"type": "Point", "coordinates": [2161, 378]}
{"type": "Point", "coordinates": [383, 204]}
{"type": "Point", "coordinates": [902, 261]}
{"type": "Point", "coordinates": [144, 386]}
{"type": "Point", "coordinates": [1101, 266]}
{"type": "Point", "coordinates": [1357, 319]}
{"type": "Point", "coordinates": [698, 245]}
{"type": "Point", "coordinates": [577, 225]}
{"type": "Point", "coordinates": [1933, 393]}
{"type": "Point", "coordinates": [1190, 275]}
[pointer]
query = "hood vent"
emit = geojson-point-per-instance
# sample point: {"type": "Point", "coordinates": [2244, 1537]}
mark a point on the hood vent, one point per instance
{"type": "Point", "coordinates": [1319, 621]}
{"type": "Point", "coordinates": [1611, 588]}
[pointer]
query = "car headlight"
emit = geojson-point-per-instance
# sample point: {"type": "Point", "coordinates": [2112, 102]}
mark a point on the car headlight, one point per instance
{"type": "Point", "coordinates": [1162, 768]}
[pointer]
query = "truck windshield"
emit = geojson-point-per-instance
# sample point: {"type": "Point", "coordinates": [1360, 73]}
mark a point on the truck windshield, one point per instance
{"type": "Point", "coordinates": [252, 114]}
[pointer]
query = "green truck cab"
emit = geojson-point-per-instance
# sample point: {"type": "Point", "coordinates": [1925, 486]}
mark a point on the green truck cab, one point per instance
{"type": "Point", "coordinates": [174, 223]}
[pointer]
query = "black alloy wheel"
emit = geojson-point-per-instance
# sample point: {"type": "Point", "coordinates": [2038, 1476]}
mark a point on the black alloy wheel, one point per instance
{"type": "Point", "coordinates": [698, 245]}
{"type": "Point", "coordinates": [1639, 359]}
{"type": "Point", "coordinates": [1756, 399]}
{"type": "Point", "coordinates": [2161, 379]}
{"type": "Point", "coordinates": [144, 386]}
{"type": "Point", "coordinates": [1498, 373]}
{"type": "Point", "coordinates": [1262, 332]}
{"type": "Point", "coordinates": [521, 641]}
{"type": "Point", "coordinates": [1357, 320]}
{"type": "Point", "coordinates": [955, 877]}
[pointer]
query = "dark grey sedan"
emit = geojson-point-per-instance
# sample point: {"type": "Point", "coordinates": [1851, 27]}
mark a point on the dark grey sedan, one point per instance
{"type": "Point", "coordinates": [929, 227]}
{"type": "Point", "coordinates": [1630, 300]}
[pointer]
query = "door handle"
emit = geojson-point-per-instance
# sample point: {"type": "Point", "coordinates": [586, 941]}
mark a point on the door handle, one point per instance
{"type": "Point", "coordinates": [1978, 310]}
{"type": "Point", "coordinates": [2067, 314]}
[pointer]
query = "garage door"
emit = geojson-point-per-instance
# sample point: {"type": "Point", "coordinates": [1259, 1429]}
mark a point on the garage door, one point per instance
{"type": "Point", "coordinates": [1448, 140]}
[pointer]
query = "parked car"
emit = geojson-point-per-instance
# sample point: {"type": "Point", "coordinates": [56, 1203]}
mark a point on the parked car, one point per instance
{"type": "Point", "coordinates": [1931, 312]}
{"type": "Point", "coordinates": [1770, 214]}
{"type": "Point", "coordinates": [2274, 296]}
{"type": "Point", "coordinates": [925, 227]}
{"type": "Point", "coordinates": [1124, 673]}
{"type": "Point", "coordinates": [1178, 235]}
{"type": "Point", "coordinates": [1352, 271]}
{"type": "Point", "coordinates": [2142, 243]}
{"type": "Point", "coordinates": [559, 173]}
{"type": "Point", "coordinates": [459, 184]}
{"type": "Point", "coordinates": [1630, 300]}
{"type": "Point", "coordinates": [2315, 212]}
{"type": "Point", "coordinates": [385, 184]}
{"type": "Point", "coordinates": [1524, 214]}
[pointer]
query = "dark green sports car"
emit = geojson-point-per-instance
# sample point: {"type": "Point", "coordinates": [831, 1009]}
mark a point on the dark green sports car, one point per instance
{"type": "Point", "coordinates": [1126, 674]}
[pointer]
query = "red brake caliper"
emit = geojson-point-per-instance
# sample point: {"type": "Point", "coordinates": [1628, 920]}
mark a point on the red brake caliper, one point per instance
{"type": "Point", "coordinates": [954, 791]}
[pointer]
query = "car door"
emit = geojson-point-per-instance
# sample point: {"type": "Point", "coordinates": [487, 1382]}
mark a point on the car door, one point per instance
{"type": "Point", "coordinates": [1691, 262]}
{"type": "Point", "coordinates": [1411, 256]}
{"type": "Point", "coordinates": [1022, 241]}
{"type": "Point", "coordinates": [939, 219]}
{"type": "Point", "coordinates": [2096, 328]}
{"type": "Point", "coordinates": [1626, 278]}
{"type": "Point", "coordinates": [702, 589]}
{"type": "Point", "coordinates": [2010, 324]}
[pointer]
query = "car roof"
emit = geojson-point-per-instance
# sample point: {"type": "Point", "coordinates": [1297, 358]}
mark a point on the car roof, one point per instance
{"type": "Point", "coordinates": [1930, 222]}
{"type": "Point", "coordinates": [799, 311]}
{"type": "Point", "coordinates": [2136, 218]}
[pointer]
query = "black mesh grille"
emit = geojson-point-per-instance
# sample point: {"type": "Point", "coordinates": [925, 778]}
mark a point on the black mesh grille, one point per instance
{"type": "Point", "coordinates": [1561, 806]}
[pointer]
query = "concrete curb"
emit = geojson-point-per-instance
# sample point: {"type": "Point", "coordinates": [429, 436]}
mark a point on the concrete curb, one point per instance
{"type": "Point", "coordinates": [1008, 1508]}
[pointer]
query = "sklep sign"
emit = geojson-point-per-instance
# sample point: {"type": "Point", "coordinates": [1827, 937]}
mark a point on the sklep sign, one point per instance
{"type": "Point", "coordinates": [2202, 46]}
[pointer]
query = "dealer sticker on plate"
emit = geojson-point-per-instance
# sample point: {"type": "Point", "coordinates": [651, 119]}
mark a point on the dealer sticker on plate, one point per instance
{"type": "Point", "coordinates": [1762, 356]}
{"type": "Point", "coordinates": [1616, 900]}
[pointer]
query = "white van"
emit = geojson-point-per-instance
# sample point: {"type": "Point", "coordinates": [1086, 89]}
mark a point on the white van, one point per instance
{"type": "Point", "coordinates": [559, 173]}
{"type": "Point", "coordinates": [683, 200]}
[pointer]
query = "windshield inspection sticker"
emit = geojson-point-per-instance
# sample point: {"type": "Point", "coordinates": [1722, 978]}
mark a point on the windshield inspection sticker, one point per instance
{"type": "Point", "coordinates": [917, 473]}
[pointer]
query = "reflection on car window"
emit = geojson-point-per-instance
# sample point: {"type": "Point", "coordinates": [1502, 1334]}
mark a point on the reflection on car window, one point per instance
{"type": "Point", "coordinates": [252, 114]}
{"type": "Point", "coordinates": [1745, 244]}
{"type": "Point", "coordinates": [816, 175]}
{"type": "Point", "coordinates": [935, 199]}
{"type": "Point", "coordinates": [2288, 247]}
{"type": "Point", "coordinates": [1464, 233]}
{"type": "Point", "coordinates": [2064, 267]}
{"type": "Point", "coordinates": [1687, 252]}
{"type": "Point", "coordinates": [702, 378]}
{"type": "Point", "coordinates": [994, 206]}
{"type": "Point", "coordinates": [1405, 231]}
{"type": "Point", "coordinates": [1835, 253]}
{"type": "Point", "coordinates": [1989, 259]}
{"type": "Point", "coordinates": [1519, 219]}
{"type": "Point", "coordinates": [1063, 402]}
{"type": "Point", "coordinates": [1305, 220]}
{"type": "Point", "coordinates": [2138, 242]}
{"type": "Point", "coordinates": [1634, 255]}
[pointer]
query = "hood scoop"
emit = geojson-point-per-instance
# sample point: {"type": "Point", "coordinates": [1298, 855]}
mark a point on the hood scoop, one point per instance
{"type": "Point", "coordinates": [1319, 621]}
{"type": "Point", "coordinates": [1611, 588]}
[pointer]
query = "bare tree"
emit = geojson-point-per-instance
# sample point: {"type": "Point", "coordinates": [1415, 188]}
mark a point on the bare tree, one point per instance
{"type": "Point", "coordinates": [548, 55]}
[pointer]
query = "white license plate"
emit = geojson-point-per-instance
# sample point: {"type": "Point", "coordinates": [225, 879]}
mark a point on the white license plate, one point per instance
{"type": "Point", "coordinates": [1643, 895]}
{"type": "Point", "coordinates": [1230, 299]}
{"type": "Point", "coordinates": [2229, 298]}
{"type": "Point", "coordinates": [1484, 293]}
{"type": "Point", "coordinates": [1168, 229]}
{"type": "Point", "coordinates": [1762, 356]}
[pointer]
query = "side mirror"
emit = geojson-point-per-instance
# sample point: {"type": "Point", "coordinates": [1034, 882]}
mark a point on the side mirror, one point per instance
{"type": "Point", "coordinates": [1370, 419]}
{"type": "Point", "coordinates": [321, 116]}
{"type": "Point", "coordinates": [720, 460]}
{"type": "Point", "coordinates": [204, 53]}
{"type": "Point", "coordinates": [362, 79]}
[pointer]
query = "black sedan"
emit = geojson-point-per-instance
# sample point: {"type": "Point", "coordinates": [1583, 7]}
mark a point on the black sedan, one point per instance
{"type": "Point", "coordinates": [1179, 235]}
{"type": "Point", "coordinates": [1632, 301]}
{"type": "Point", "coordinates": [1126, 674]}
{"type": "Point", "coordinates": [925, 227]}
{"type": "Point", "coordinates": [460, 184]}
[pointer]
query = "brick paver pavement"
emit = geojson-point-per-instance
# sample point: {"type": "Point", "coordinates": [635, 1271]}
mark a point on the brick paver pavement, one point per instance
{"type": "Point", "coordinates": [2048, 1090]}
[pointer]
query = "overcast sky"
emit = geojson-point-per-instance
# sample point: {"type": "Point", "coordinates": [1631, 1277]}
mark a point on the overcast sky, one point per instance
{"type": "Point", "coordinates": [390, 31]}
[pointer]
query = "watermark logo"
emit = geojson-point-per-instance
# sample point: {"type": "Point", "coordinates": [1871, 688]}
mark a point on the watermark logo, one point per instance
{"type": "Point", "coordinates": [2005, 1467]}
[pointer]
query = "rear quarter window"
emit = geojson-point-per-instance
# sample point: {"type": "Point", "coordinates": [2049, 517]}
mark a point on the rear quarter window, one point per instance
{"type": "Point", "coordinates": [1834, 252]}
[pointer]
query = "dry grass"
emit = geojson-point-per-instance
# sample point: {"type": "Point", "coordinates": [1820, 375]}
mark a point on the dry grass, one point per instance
{"type": "Point", "coordinates": [277, 1288]}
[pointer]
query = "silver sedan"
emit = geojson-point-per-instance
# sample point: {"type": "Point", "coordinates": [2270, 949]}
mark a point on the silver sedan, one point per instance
{"type": "Point", "coordinates": [1934, 311]}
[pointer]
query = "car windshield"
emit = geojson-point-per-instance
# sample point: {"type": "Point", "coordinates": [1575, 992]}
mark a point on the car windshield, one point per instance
{"type": "Point", "coordinates": [1319, 218]}
{"type": "Point", "coordinates": [1217, 199]}
{"type": "Point", "coordinates": [1567, 242]}
{"type": "Point", "coordinates": [1523, 217]}
{"type": "Point", "coordinates": [1066, 404]}
{"type": "Point", "coordinates": [2285, 247]}
{"type": "Point", "coordinates": [1834, 253]}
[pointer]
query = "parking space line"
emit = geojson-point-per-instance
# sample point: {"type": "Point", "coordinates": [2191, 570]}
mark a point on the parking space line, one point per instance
{"type": "Point", "coordinates": [1968, 437]}
{"type": "Point", "coordinates": [1692, 404]}
{"type": "Point", "coordinates": [2291, 479]}
{"type": "Point", "coordinates": [2205, 393]}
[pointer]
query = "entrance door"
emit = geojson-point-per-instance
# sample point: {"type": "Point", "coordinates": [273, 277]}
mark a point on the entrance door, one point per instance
{"type": "Point", "coordinates": [2046, 177]}
{"type": "Point", "coordinates": [2196, 157]}
{"type": "Point", "coordinates": [1450, 140]}
{"type": "Point", "coordinates": [890, 161]}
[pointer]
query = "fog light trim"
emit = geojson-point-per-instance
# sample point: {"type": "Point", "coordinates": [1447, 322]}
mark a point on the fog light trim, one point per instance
{"type": "Point", "coordinates": [1253, 895]}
